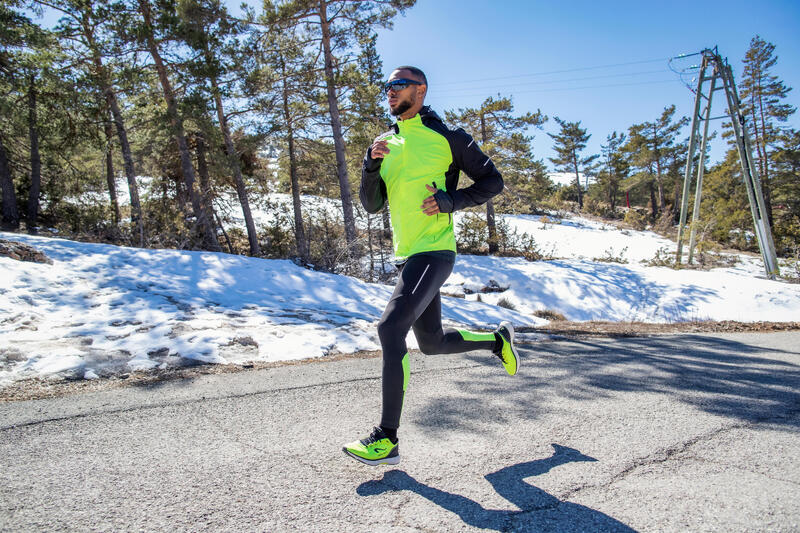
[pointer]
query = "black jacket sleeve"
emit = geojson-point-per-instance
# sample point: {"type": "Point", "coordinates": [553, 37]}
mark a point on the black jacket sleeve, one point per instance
{"type": "Point", "coordinates": [467, 157]}
{"type": "Point", "coordinates": [372, 191]}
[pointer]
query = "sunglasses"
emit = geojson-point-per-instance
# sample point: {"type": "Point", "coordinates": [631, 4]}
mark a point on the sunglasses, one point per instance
{"type": "Point", "coordinates": [398, 85]}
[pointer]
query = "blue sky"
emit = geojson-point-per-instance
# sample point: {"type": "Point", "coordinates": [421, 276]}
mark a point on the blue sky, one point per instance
{"type": "Point", "coordinates": [472, 49]}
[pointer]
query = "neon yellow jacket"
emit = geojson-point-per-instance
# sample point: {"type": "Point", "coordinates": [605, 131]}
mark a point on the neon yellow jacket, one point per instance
{"type": "Point", "coordinates": [423, 151]}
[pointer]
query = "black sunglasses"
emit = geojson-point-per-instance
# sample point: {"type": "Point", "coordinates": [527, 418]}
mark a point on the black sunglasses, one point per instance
{"type": "Point", "coordinates": [399, 85]}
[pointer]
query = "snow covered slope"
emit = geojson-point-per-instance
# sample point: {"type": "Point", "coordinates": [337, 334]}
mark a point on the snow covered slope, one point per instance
{"type": "Point", "coordinates": [100, 309]}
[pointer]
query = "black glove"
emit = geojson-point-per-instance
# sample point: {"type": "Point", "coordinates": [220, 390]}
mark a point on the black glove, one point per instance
{"type": "Point", "coordinates": [444, 200]}
{"type": "Point", "coordinates": [370, 164]}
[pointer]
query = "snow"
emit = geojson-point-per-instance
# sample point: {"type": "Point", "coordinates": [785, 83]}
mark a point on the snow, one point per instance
{"type": "Point", "coordinates": [102, 310]}
{"type": "Point", "coordinates": [563, 179]}
{"type": "Point", "coordinates": [586, 239]}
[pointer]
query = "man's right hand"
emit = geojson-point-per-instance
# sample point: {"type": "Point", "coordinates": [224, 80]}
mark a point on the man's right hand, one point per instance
{"type": "Point", "coordinates": [379, 149]}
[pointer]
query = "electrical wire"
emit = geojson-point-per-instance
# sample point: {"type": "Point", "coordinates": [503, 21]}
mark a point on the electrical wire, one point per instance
{"type": "Point", "coordinates": [453, 92]}
{"type": "Point", "coordinates": [555, 71]}
{"type": "Point", "coordinates": [672, 80]}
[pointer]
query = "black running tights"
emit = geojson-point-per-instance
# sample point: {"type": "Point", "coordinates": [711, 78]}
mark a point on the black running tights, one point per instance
{"type": "Point", "coordinates": [416, 303]}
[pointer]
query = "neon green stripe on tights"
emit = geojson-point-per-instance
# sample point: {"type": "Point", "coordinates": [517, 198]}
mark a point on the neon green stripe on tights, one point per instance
{"type": "Point", "coordinates": [406, 371]}
{"type": "Point", "coordinates": [477, 337]}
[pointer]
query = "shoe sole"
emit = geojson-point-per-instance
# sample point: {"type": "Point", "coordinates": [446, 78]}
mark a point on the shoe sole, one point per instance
{"type": "Point", "coordinates": [510, 329]}
{"type": "Point", "coordinates": [385, 461]}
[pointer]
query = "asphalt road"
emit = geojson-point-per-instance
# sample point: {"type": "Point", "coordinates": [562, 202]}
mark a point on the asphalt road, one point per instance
{"type": "Point", "coordinates": [677, 433]}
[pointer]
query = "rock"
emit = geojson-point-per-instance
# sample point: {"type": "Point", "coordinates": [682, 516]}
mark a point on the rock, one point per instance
{"type": "Point", "coordinates": [244, 341]}
{"type": "Point", "coordinates": [493, 286]}
{"type": "Point", "coordinates": [161, 352]}
{"type": "Point", "coordinates": [22, 252]}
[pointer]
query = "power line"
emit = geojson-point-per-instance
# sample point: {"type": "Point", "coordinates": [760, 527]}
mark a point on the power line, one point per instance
{"type": "Point", "coordinates": [566, 80]}
{"type": "Point", "coordinates": [673, 80]}
{"type": "Point", "coordinates": [558, 71]}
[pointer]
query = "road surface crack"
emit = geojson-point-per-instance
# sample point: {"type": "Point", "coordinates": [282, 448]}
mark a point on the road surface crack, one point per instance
{"type": "Point", "coordinates": [667, 454]}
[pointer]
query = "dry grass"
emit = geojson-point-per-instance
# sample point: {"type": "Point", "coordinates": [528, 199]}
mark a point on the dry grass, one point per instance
{"type": "Point", "coordinates": [549, 314]}
{"type": "Point", "coordinates": [642, 329]}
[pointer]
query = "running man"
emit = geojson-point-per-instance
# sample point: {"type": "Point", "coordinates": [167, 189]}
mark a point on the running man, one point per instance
{"type": "Point", "coordinates": [415, 167]}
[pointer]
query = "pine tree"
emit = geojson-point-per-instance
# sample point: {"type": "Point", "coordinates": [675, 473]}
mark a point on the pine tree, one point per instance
{"type": "Point", "coordinates": [285, 91]}
{"type": "Point", "coordinates": [652, 149]}
{"type": "Point", "coordinates": [615, 167]}
{"type": "Point", "coordinates": [208, 29]}
{"type": "Point", "coordinates": [762, 95]}
{"type": "Point", "coordinates": [502, 138]}
{"type": "Point", "coordinates": [84, 25]}
{"type": "Point", "coordinates": [34, 70]}
{"type": "Point", "coordinates": [786, 192]}
{"type": "Point", "coordinates": [14, 28]}
{"type": "Point", "coordinates": [36, 157]}
{"type": "Point", "coordinates": [724, 210]}
{"type": "Point", "coordinates": [335, 24]}
{"type": "Point", "coordinates": [569, 142]}
{"type": "Point", "coordinates": [155, 26]}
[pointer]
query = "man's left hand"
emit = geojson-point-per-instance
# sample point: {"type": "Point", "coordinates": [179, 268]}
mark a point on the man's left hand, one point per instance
{"type": "Point", "coordinates": [440, 202]}
{"type": "Point", "coordinates": [430, 206]}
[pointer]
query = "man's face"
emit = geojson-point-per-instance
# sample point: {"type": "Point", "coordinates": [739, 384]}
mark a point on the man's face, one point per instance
{"type": "Point", "coordinates": [405, 99]}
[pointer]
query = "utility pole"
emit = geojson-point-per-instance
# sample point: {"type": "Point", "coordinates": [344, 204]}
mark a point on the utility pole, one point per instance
{"type": "Point", "coordinates": [712, 69]}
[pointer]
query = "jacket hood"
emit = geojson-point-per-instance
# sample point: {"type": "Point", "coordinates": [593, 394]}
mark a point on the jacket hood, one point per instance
{"type": "Point", "coordinates": [426, 113]}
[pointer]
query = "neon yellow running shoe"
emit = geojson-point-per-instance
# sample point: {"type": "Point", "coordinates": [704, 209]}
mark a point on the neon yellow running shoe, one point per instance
{"type": "Point", "coordinates": [377, 449]}
{"type": "Point", "coordinates": [507, 352]}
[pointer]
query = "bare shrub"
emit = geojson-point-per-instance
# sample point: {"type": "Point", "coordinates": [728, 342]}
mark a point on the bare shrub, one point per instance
{"type": "Point", "coordinates": [507, 304]}
{"type": "Point", "coordinates": [549, 314]}
{"type": "Point", "coordinates": [791, 269]}
{"type": "Point", "coordinates": [609, 256]}
{"type": "Point", "coordinates": [635, 219]}
{"type": "Point", "coordinates": [663, 257]}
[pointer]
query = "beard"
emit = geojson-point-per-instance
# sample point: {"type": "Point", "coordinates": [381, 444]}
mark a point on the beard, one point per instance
{"type": "Point", "coordinates": [401, 108]}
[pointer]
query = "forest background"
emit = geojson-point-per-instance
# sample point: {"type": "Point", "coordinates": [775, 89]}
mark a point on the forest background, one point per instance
{"type": "Point", "coordinates": [160, 123]}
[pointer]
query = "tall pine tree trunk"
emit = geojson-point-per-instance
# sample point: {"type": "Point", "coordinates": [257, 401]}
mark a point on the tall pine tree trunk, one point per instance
{"type": "Point", "coordinates": [233, 161]}
{"type": "Point", "coordinates": [387, 224]}
{"type": "Point", "coordinates": [137, 220]}
{"type": "Point", "coordinates": [676, 195]}
{"type": "Point", "coordinates": [10, 217]}
{"type": "Point", "coordinates": [662, 202]}
{"type": "Point", "coordinates": [202, 172]}
{"type": "Point", "coordinates": [577, 179]}
{"type": "Point", "coordinates": [36, 160]}
{"type": "Point", "coordinates": [761, 146]}
{"type": "Point", "coordinates": [491, 225]}
{"type": "Point", "coordinates": [112, 182]}
{"type": "Point", "coordinates": [299, 229]}
{"type": "Point", "coordinates": [653, 206]}
{"type": "Point", "coordinates": [205, 187]}
{"type": "Point", "coordinates": [612, 186]}
{"type": "Point", "coordinates": [336, 126]}
{"type": "Point", "coordinates": [187, 170]}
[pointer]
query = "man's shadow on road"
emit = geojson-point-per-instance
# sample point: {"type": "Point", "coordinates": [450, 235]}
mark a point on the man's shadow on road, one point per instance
{"type": "Point", "coordinates": [540, 511]}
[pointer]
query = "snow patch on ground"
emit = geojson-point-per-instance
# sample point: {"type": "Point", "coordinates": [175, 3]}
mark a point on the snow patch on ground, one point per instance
{"type": "Point", "coordinates": [102, 309]}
